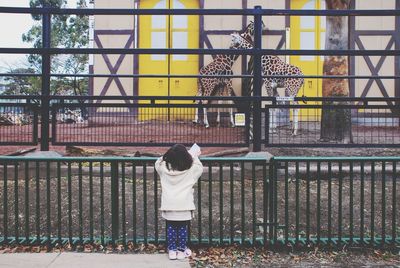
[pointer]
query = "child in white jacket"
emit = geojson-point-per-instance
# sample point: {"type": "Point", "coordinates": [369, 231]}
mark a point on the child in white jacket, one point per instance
{"type": "Point", "coordinates": [179, 171]}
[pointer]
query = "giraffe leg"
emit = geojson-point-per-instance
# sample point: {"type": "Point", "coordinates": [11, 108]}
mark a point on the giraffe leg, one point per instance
{"type": "Point", "coordinates": [295, 121]}
{"type": "Point", "coordinates": [231, 94]}
{"type": "Point", "coordinates": [272, 114]}
{"type": "Point", "coordinates": [196, 116]}
{"type": "Point", "coordinates": [272, 121]}
{"type": "Point", "coordinates": [205, 118]}
{"type": "Point", "coordinates": [231, 115]}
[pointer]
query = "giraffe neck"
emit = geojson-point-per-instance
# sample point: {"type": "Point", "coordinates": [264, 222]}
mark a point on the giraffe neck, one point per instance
{"type": "Point", "coordinates": [248, 33]}
{"type": "Point", "coordinates": [228, 60]}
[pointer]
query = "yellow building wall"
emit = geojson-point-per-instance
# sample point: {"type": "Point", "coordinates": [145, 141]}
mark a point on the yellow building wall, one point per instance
{"type": "Point", "coordinates": [235, 23]}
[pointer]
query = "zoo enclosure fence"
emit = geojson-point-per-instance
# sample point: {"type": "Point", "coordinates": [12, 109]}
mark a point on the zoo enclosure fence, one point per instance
{"type": "Point", "coordinates": [290, 201]}
{"type": "Point", "coordinates": [164, 121]}
{"type": "Point", "coordinates": [46, 51]}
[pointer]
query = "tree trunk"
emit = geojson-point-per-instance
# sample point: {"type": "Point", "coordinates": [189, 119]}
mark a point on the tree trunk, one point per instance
{"type": "Point", "coordinates": [336, 122]}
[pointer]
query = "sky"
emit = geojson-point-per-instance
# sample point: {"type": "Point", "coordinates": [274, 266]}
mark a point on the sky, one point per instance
{"type": "Point", "coordinates": [12, 26]}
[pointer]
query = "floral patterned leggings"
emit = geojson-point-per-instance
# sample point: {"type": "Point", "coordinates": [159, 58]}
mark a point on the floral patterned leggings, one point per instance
{"type": "Point", "coordinates": [177, 233]}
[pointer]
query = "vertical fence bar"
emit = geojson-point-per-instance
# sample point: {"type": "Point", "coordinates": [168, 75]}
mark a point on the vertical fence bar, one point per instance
{"type": "Point", "coordinates": [372, 203]}
{"type": "Point", "coordinates": [274, 195]}
{"type": "Point", "coordinates": [257, 80]}
{"type": "Point", "coordinates": [59, 202]}
{"type": "Point", "coordinates": [242, 192]}
{"type": "Point", "coordinates": [69, 174]}
{"type": "Point", "coordinates": [394, 207]}
{"type": "Point", "coordinates": [221, 204]}
{"type": "Point", "coordinates": [286, 202]}
{"type": "Point", "coordinates": [199, 222]}
{"type": "Point", "coordinates": [5, 203]}
{"type": "Point", "coordinates": [156, 206]}
{"type": "Point", "coordinates": [383, 203]}
{"type": "Point", "coordinates": [265, 199]}
{"type": "Point", "coordinates": [308, 201]}
{"type": "Point", "coordinates": [297, 178]}
{"type": "Point", "coordinates": [271, 206]}
{"type": "Point", "coordinates": [16, 201]}
{"type": "Point", "coordinates": [102, 202]}
{"type": "Point", "coordinates": [80, 205]}
{"type": "Point", "coordinates": [318, 203]}
{"type": "Point", "coordinates": [145, 203]}
{"type": "Point", "coordinates": [351, 203]}
{"type": "Point", "coordinates": [123, 200]}
{"type": "Point", "coordinates": [330, 202]}
{"type": "Point", "coordinates": [46, 62]}
{"type": "Point", "coordinates": [253, 207]}
{"type": "Point", "coordinates": [340, 214]}
{"type": "Point", "coordinates": [91, 232]}
{"type": "Point", "coordinates": [27, 202]}
{"type": "Point", "coordinates": [134, 226]}
{"type": "Point", "coordinates": [231, 204]}
{"type": "Point", "coordinates": [37, 202]}
{"type": "Point", "coordinates": [362, 186]}
{"type": "Point", "coordinates": [210, 235]}
{"type": "Point", "coordinates": [114, 202]}
{"type": "Point", "coordinates": [48, 212]}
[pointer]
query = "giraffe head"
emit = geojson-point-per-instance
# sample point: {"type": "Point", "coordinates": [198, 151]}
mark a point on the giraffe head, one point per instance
{"type": "Point", "coordinates": [248, 32]}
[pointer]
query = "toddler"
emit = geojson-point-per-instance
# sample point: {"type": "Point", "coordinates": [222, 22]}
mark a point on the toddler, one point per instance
{"type": "Point", "coordinates": [179, 171]}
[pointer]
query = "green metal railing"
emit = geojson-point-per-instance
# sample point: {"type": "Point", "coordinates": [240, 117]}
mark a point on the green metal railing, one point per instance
{"type": "Point", "coordinates": [298, 201]}
{"type": "Point", "coordinates": [116, 200]}
{"type": "Point", "coordinates": [336, 200]}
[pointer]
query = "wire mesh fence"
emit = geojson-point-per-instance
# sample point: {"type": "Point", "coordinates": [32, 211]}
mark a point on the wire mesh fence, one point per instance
{"type": "Point", "coordinates": [18, 124]}
{"type": "Point", "coordinates": [368, 124]}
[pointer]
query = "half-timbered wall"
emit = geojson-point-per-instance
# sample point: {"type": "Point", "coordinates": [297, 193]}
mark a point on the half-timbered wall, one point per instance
{"type": "Point", "coordinates": [365, 33]}
{"type": "Point", "coordinates": [374, 33]}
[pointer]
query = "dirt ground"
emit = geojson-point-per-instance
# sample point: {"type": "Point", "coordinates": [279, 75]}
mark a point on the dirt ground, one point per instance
{"type": "Point", "coordinates": [156, 131]}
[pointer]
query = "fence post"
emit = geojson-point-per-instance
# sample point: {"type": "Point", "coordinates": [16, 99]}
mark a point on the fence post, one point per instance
{"type": "Point", "coordinates": [45, 94]}
{"type": "Point", "coordinates": [257, 80]}
{"type": "Point", "coordinates": [114, 202]}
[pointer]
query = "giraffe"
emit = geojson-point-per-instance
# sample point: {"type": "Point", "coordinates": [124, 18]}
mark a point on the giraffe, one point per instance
{"type": "Point", "coordinates": [273, 65]}
{"type": "Point", "coordinates": [216, 86]}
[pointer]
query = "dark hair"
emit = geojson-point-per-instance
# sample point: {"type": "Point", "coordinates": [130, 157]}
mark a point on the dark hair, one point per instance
{"type": "Point", "coordinates": [178, 158]}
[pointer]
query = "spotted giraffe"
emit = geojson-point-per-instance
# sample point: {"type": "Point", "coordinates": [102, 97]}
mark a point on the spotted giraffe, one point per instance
{"type": "Point", "coordinates": [273, 65]}
{"type": "Point", "coordinates": [218, 86]}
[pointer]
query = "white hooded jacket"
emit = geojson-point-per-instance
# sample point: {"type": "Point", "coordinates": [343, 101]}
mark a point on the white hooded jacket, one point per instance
{"type": "Point", "coordinates": [177, 186]}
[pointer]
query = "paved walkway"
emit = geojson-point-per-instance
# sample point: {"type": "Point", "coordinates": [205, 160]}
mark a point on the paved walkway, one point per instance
{"type": "Point", "coordinates": [92, 260]}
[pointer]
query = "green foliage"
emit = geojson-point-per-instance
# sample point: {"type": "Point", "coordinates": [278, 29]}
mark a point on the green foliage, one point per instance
{"type": "Point", "coordinates": [67, 32]}
{"type": "Point", "coordinates": [22, 85]}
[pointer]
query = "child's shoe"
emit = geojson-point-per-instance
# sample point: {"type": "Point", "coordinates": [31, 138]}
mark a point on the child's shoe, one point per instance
{"type": "Point", "coordinates": [180, 255]}
{"type": "Point", "coordinates": [172, 254]}
{"type": "Point", "coordinates": [188, 252]}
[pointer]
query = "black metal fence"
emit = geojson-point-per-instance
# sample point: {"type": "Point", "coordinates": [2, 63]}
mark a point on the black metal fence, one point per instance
{"type": "Point", "coordinates": [336, 201]}
{"type": "Point", "coordinates": [46, 51]}
{"type": "Point", "coordinates": [375, 122]}
{"type": "Point", "coordinates": [151, 122]}
{"type": "Point", "coordinates": [102, 200]}
{"type": "Point", "coordinates": [164, 121]}
{"type": "Point", "coordinates": [333, 201]}
{"type": "Point", "coordinates": [19, 123]}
